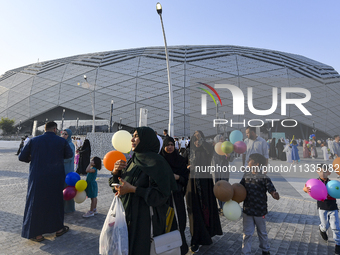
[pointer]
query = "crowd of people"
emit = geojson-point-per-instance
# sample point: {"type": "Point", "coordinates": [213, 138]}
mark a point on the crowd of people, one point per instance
{"type": "Point", "coordinates": [160, 171]}
{"type": "Point", "coordinates": [287, 150]}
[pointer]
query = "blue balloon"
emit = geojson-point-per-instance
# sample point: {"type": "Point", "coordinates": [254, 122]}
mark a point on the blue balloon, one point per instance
{"type": "Point", "coordinates": [333, 188]}
{"type": "Point", "coordinates": [235, 136]}
{"type": "Point", "coordinates": [72, 178]}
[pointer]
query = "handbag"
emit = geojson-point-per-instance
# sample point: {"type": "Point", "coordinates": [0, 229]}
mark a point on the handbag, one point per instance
{"type": "Point", "coordinates": [169, 243]}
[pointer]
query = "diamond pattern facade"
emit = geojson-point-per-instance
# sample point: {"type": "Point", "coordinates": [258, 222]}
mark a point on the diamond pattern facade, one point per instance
{"type": "Point", "coordinates": [137, 78]}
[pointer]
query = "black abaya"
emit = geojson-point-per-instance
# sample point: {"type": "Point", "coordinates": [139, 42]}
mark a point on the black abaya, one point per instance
{"type": "Point", "coordinates": [272, 149]}
{"type": "Point", "coordinates": [201, 202]}
{"type": "Point", "coordinates": [178, 166]}
{"type": "Point", "coordinates": [280, 154]}
{"type": "Point", "coordinates": [84, 157]}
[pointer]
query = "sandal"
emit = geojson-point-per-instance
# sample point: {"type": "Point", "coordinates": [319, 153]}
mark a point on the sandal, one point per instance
{"type": "Point", "coordinates": [35, 239]}
{"type": "Point", "coordinates": [64, 230]}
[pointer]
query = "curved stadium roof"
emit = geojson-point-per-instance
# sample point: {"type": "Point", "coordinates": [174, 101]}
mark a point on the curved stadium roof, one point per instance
{"type": "Point", "coordinates": [137, 78]}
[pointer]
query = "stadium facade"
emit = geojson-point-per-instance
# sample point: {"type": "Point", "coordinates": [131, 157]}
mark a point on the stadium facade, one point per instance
{"type": "Point", "coordinates": [137, 78]}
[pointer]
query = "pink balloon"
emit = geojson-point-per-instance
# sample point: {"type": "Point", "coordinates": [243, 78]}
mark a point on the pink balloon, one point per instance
{"type": "Point", "coordinates": [318, 189]}
{"type": "Point", "coordinates": [240, 147]}
{"type": "Point", "coordinates": [69, 193]}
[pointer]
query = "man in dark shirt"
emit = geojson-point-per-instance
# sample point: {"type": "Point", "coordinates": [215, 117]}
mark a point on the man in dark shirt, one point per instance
{"type": "Point", "coordinates": [328, 210]}
{"type": "Point", "coordinates": [255, 204]}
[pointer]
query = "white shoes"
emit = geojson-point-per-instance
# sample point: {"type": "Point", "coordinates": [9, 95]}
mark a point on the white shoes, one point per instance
{"type": "Point", "coordinates": [88, 214]}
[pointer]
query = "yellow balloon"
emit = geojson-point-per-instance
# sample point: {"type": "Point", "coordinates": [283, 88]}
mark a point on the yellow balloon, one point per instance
{"type": "Point", "coordinates": [218, 148]}
{"type": "Point", "coordinates": [121, 141]}
{"type": "Point", "coordinates": [81, 185]}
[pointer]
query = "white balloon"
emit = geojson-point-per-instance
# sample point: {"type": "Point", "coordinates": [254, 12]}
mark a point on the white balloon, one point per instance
{"type": "Point", "coordinates": [80, 197]}
{"type": "Point", "coordinates": [232, 210]}
{"type": "Point", "coordinates": [121, 141]}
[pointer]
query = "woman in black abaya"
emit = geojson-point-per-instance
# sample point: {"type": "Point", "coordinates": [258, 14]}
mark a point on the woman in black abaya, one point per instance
{"type": "Point", "coordinates": [272, 149]}
{"type": "Point", "coordinates": [280, 154]}
{"type": "Point", "coordinates": [84, 157]}
{"type": "Point", "coordinates": [146, 180]}
{"type": "Point", "coordinates": [201, 201]}
{"type": "Point", "coordinates": [181, 174]}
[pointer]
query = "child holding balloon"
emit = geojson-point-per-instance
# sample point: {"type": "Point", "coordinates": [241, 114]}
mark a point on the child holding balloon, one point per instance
{"type": "Point", "coordinates": [92, 187]}
{"type": "Point", "coordinates": [255, 205]}
{"type": "Point", "coordinates": [328, 210]}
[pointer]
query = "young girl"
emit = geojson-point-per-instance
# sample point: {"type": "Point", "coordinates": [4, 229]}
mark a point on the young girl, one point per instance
{"type": "Point", "coordinates": [76, 160]}
{"type": "Point", "coordinates": [92, 187]}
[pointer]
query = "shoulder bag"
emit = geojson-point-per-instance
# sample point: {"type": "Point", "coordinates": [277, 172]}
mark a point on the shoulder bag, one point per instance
{"type": "Point", "coordinates": [169, 243]}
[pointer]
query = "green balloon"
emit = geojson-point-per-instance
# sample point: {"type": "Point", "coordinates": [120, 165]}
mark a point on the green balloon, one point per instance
{"type": "Point", "coordinates": [227, 147]}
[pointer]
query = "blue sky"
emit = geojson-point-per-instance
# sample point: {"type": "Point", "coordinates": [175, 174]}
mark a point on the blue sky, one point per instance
{"type": "Point", "coordinates": [47, 30]}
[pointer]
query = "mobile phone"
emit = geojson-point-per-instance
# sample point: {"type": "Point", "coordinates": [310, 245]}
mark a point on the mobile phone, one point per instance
{"type": "Point", "coordinates": [115, 185]}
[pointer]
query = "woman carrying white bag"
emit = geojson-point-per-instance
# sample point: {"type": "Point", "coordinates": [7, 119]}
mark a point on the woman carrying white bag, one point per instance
{"type": "Point", "coordinates": [145, 180]}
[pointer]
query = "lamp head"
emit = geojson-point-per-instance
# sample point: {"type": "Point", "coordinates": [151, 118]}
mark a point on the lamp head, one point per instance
{"type": "Point", "coordinates": [85, 78]}
{"type": "Point", "coordinates": [159, 8]}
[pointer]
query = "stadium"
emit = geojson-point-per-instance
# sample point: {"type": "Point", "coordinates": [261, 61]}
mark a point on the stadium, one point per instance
{"type": "Point", "coordinates": [137, 78]}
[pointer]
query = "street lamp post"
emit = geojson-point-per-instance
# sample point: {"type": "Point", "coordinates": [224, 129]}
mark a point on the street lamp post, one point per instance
{"type": "Point", "coordinates": [171, 110]}
{"type": "Point", "coordinates": [62, 120]}
{"type": "Point", "coordinates": [111, 112]}
{"type": "Point", "coordinates": [120, 124]}
{"type": "Point", "coordinates": [92, 101]}
{"type": "Point", "coordinates": [77, 126]}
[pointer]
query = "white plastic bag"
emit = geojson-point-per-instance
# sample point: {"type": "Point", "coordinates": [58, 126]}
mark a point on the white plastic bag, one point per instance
{"type": "Point", "coordinates": [114, 236]}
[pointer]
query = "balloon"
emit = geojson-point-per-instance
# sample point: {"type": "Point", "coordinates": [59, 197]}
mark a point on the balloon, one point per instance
{"type": "Point", "coordinates": [72, 178]}
{"type": "Point", "coordinates": [218, 148]}
{"type": "Point", "coordinates": [240, 147]}
{"type": "Point", "coordinates": [235, 136]}
{"type": "Point", "coordinates": [333, 188]}
{"type": "Point", "coordinates": [80, 197]}
{"type": "Point", "coordinates": [121, 141]}
{"type": "Point", "coordinates": [232, 210]}
{"type": "Point", "coordinates": [227, 147]}
{"type": "Point", "coordinates": [110, 159]}
{"type": "Point", "coordinates": [318, 189]}
{"type": "Point", "coordinates": [240, 192]}
{"type": "Point", "coordinates": [223, 191]}
{"type": "Point", "coordinates": [81, 185]}
{"type": "Point", "coordinates": [69, 193]}
{"type": "Point", "coordinates": [336, 165]}
{"type": "Point", "coordinates": [306, 142]}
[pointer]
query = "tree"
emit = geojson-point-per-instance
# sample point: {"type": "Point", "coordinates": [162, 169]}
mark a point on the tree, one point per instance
{"type": "Point", "coordinates": [7, 125]}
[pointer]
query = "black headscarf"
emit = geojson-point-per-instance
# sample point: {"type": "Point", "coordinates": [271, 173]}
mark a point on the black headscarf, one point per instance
{"type": "Point", "coordinates": [176, 161]}
{"type": "Point", "coordinates": [147, 159]}
{"type": "Point", "coordinates": [86, 145]}
{"type": "Point", "coordinates": [200, 156]}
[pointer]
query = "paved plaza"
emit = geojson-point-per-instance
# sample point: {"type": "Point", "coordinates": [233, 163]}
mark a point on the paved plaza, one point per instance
{"type": "Point", "coordinates": [292, 221]}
